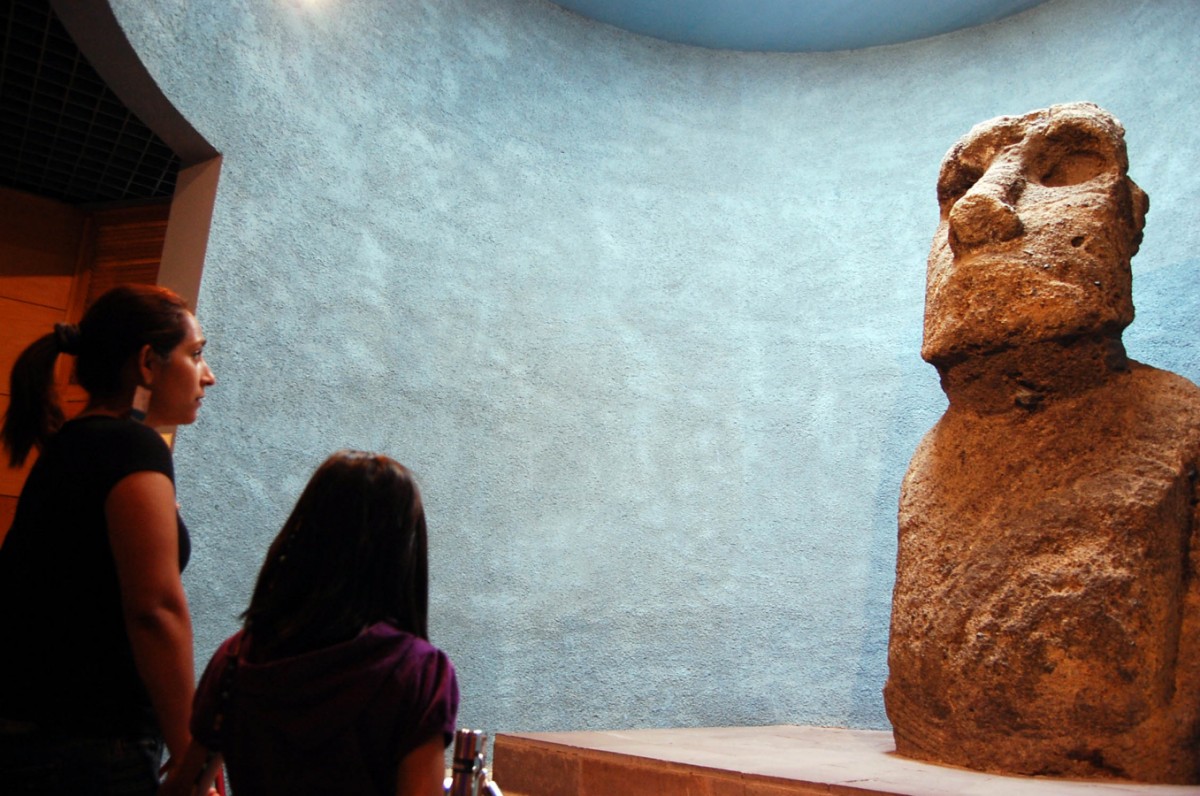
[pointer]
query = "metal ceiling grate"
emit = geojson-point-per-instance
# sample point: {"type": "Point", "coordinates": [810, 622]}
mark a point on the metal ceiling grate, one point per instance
{"type": "Point", "coordinates": [63, 133]}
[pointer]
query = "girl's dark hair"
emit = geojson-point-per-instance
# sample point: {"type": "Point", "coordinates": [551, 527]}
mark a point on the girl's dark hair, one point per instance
{"type": "Point", "coordinates": [353, 552]}
{"type": "Point", "coordinates": [113, 329]}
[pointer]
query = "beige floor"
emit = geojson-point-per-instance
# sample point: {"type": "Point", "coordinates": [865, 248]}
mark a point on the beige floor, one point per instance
{"type": "Point", "coordinates": [753, 760]}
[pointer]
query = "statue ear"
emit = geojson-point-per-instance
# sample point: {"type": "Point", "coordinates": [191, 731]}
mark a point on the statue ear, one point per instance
{"type": "Point", "coordinates": [1139, 206]}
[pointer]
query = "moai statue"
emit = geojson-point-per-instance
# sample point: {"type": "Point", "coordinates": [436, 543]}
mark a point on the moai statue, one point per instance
{"type": "Point", "coordinates": [1046, 614]}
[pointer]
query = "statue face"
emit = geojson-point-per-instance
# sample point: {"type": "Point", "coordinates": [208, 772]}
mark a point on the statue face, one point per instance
{"type": "Point", "coordinates": [1038, 224]}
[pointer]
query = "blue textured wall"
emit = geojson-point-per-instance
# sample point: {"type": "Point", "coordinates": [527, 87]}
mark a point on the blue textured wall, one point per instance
{"type": "Point", "coordinates": [644, 318]}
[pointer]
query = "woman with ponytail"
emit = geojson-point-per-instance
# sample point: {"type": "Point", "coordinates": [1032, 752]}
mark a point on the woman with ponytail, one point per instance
{"type": "Point", "coordinates": [97, 668]}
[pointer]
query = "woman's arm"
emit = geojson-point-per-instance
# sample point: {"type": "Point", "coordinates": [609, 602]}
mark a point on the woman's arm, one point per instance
{"type": "Point", "coordinates": [144, 535]}
{"type": "Point", "coordinates": [423, 770]}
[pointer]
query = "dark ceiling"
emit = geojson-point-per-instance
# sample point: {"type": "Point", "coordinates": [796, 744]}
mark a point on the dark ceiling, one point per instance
{"type": "Point", "coordinates": [63, 133]}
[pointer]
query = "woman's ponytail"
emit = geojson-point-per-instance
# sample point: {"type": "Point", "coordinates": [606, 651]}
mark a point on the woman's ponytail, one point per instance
{"type": "Point", "coordinates": [34, 413]}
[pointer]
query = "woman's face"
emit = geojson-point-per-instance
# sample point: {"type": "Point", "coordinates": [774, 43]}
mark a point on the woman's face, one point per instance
{"type": "Point", "coordinates": [178, 381]}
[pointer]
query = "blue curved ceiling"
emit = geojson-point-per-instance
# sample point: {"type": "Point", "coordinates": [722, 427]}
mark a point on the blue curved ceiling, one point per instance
{"type": "Point", "coordinates": [794, 25]}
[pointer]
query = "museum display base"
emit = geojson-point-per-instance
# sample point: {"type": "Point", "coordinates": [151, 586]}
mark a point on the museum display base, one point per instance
{"type": "Point", "coordinates": [753, 761]}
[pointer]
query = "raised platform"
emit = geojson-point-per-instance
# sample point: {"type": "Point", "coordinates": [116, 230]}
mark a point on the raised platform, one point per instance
{"type": "Point", "coordinates": [753, 761]}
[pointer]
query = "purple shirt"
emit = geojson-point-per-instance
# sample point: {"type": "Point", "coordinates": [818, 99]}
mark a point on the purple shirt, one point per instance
{"type": "Point", "coordinates": [335, 720]}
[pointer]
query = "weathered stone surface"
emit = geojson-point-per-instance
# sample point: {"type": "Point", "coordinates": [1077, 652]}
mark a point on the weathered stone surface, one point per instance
{"type": "Point", "coordinates": [1046, 614]}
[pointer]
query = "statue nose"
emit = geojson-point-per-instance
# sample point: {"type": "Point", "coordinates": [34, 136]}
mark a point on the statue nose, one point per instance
{"type": "Point", "coordinates": [985, 214]}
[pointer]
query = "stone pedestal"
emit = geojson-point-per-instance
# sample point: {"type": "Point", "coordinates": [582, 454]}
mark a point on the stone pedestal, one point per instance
{"type": "Point", "coordinates": [752, 761]}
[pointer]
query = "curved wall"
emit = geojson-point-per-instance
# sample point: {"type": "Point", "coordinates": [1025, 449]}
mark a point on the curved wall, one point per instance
{"type": "Point", "coordinates": [644, 318]}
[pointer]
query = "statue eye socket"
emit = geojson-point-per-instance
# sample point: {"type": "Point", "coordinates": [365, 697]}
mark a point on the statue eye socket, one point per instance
{"type": "Point", "coordinates": [957, 181]}
{"type": "Point", "coordinates": [1071, 168]}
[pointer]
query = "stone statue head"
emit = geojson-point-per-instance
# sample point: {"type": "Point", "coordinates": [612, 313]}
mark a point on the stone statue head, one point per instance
{"type": "Point", "coordinates": [1039, 221]}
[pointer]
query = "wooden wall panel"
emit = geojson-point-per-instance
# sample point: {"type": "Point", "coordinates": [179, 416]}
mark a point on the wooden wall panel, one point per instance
{"type": "Point", "coordinates": [54, 260]}
{"type": "Point", "coordinates": [40, 241]}
{"type": "Point", "coordinates": [8, 508]}
{"type": "Point", "coordinates": [127, 247]}
{"type": "Point", "coordinates": [41, 246]}
{"type": "Point", "coordinates": [11, 478]}
{"type": "Point", "coordinates": [23, 323]}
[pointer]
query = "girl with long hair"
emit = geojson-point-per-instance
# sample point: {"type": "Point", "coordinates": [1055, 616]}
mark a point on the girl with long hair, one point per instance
{"type": "Point", "coordinates": [332, 685]}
